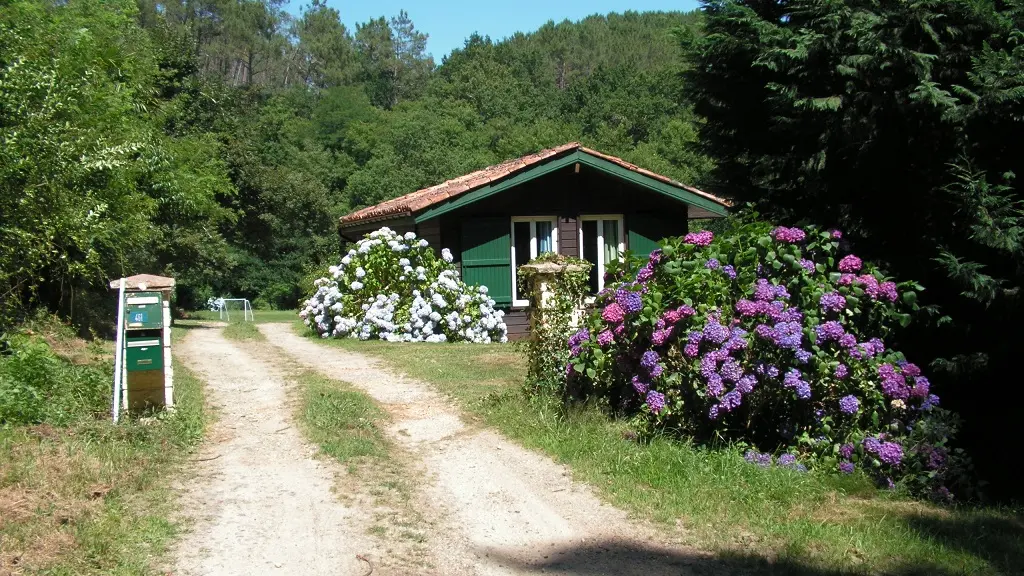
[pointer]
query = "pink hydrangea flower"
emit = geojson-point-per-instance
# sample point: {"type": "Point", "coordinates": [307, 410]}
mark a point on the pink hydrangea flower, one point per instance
{"type": "Point", "coordinates": [702, 238]}
{"type": "Point", "coordinates": [850, 264]}
{"type": "Point", "coordinates": [613, 313]}
{"type": "Point", "coordinates": [788, 235]}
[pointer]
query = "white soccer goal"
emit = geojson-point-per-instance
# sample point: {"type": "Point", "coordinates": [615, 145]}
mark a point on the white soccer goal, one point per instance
{"type": "Point", "coordinates": [224, 306]}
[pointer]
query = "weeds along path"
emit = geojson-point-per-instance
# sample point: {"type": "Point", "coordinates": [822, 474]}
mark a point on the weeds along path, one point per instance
{"type": "Point", "coordinates": [261, 502]}
{"type": "Point", "coordinates": [498, 508]}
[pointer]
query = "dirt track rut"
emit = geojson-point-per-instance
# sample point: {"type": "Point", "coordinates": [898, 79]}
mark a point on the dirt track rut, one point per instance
{"type": "Point", "coordinates": [499, 509]}
{"type": "Point", "coordinates": [261, 502]}
{"type": "Point", "coordinates": [264, 504]}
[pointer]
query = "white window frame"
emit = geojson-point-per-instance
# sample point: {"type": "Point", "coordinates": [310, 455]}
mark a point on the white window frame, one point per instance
{"type": "Point", "coordinates": [533, 247]}
{"type": "Point", "coordinates": [600, 242]}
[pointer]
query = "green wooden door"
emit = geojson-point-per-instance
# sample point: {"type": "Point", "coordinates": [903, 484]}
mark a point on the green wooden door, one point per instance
{"type": "Point", "coordinates": [645, 230]}
{"type": "Point", "coordinates": [487, 257]}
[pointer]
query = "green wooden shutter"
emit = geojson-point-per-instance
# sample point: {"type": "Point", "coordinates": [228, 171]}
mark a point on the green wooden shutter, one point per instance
{"type": "Point", "coordinates": [487, 257]}
{"type": "Point", "coordinates": [645, 230]}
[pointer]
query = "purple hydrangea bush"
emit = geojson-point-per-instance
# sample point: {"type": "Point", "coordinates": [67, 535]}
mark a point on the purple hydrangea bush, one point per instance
{"type": "Point", "coordinates": [773, 338]}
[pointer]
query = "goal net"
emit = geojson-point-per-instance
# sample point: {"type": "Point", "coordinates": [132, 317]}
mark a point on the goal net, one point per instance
{"type": "Point", "coordinates": [239, 307]}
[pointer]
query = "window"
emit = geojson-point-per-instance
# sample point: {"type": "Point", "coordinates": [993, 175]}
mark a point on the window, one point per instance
{"type": "Point", "coordinates": [601, 242]}
{"type": "Point", "coordinates": [531, 236]}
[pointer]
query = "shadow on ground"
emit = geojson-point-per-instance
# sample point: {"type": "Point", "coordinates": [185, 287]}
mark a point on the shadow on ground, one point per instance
{"type": "Point", "coordinates": [997, 539]}
{"type": "Point", "coordinates": [614, 558]}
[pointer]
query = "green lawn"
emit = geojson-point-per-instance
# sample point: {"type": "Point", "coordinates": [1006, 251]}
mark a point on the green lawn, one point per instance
{"type": "Point", "coordinates": [805, 523]}
{"type": "Point", "coordinates": [259, 316]}
{"type": "Point", "coordinates": [92, 497]}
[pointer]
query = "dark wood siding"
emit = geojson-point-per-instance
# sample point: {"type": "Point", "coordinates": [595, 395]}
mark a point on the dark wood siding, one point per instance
{"type": "Point", "coordinates": [518, 322]}
{"type": "Point", "coordinates": [568, 236]}
{"type": "Point", "coordinates": [431, 232]}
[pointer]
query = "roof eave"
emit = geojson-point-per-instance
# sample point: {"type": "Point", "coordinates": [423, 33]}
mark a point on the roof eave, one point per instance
{"type": "Point", "coordinates": [375, 218]}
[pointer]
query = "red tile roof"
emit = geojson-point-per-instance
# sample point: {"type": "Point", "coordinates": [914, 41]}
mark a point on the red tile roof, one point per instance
{"type": "Point", "coordinates": [421, 199]}
{"type": "Point", "coordinates": [151, 281]}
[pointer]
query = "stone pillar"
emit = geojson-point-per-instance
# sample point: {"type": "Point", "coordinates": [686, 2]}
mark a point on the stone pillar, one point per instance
{"type": "Point", "coordinates": [543, 278]}
{"type": "Point", "coordinates": [168, 364]}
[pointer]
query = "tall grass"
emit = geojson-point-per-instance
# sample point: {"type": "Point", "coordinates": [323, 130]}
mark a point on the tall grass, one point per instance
{"type": "Point", "coordinates": [79, 495]}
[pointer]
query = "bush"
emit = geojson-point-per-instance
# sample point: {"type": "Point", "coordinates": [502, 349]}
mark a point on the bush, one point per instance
{"type": "Point", "coordinates": [38, 386]}
{"type": "Point", "coordinates": [766, 337]}
{"type": "Point", "coordinates": [395, 288]}
{"type": "Point", "coordinates": [552, 323]}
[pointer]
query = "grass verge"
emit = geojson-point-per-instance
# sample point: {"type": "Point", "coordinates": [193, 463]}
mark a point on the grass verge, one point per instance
{"type": "Point", "coordinates": [803, 523]}
{"type": "Point", "coordinates": [343, 422]}
{"type": "Point", "coordinates": [91, 497]}
{"type": "Point", "coordinates": [347, 425]}
{"type": "Point", "coordinates": [243, 332]}
{"type": "Point", "coordinates": [259, 316]}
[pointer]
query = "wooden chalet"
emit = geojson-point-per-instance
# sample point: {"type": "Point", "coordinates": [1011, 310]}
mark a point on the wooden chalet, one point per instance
{"type": "Point", "coordinates": [568, 199]}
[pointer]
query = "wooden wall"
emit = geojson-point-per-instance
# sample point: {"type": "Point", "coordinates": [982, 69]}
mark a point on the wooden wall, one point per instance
{"type": "Point", "coordinates": [568, 236]}
{"type": "Point", "coordinates": [431, 232]}
{"type": "Point", "coordinates": [518, 322]}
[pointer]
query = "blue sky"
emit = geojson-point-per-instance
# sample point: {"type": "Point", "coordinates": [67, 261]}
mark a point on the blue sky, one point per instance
{"type": "Point", "coordinates": [449, 22]}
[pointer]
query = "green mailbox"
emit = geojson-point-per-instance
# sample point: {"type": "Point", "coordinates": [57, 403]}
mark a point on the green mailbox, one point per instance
{"type": "Point", "coordinates": [144, 353]}
{"type": "Point", "coordinates": [144, 311]}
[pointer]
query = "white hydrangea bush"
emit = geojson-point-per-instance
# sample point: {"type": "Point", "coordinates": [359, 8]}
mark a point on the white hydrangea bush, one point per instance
{"type": "Point", "coordinates": [393, 287]}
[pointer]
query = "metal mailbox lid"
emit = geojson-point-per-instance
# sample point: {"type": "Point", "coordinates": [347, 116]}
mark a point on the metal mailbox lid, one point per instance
{"type": "Point", "coordinates": [144, 310]}
{"type": "Point", "coordinates": [144, 354]}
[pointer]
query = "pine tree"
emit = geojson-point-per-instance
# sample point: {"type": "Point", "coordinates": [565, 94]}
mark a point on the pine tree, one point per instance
{"type": "Point", "coordinates": [897, 122]}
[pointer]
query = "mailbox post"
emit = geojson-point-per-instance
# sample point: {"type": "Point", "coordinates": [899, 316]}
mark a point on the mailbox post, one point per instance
{"type": "Point", "coordinates": [148, 374]}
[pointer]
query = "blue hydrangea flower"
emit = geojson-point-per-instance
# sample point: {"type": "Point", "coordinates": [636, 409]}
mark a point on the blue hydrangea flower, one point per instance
{"type": "Point", "coordinates": [655, 401]}
{"type": "Point", "coordinates": [732, 400]}
{"type": "Point", "coordinates": [803, 391]}
{"type": "Point", "coordinates": [832, 302]}
{"type": "Point", "coordinates": [649, 360]}
{"type": "Point", "coordinates": [715, 332]}
{"type": "Point", "coordinates": [891, 453]}
{"type": "Point", "coordinates": [763, 460]}
{"type": "Point", "coordinates": [849, 404]}
{"type": "Point", "coordinates": [640, 386]}
{"type": "Point", "coordinates": [830, 330]}
{"type": "Point", "coordinates": [872, 444]}
{"type": "Point", "coordinates": [630, 302]}
{"type": "Point", "coordinates": [731, 371]}
{"type": "Point", "coordinates": [842, 371]}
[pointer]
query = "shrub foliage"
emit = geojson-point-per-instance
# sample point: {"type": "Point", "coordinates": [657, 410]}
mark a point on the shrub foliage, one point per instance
{"type": "Point", "coordinates": [554, 321]}
{"type": "Point", "coordinates": [773, 338]}
{"type": "Point", "coordinates": [394, 288]}
{"type": "Point", "coordinates": [37, 385]}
